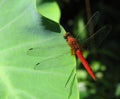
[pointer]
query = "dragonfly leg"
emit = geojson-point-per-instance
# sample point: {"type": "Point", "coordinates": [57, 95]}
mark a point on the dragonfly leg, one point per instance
{"type": "Point", "coordinates": [71, 76]}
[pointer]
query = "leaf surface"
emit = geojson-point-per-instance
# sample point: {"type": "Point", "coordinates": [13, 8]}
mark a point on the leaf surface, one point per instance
{"type": "Point", "coordinates": [22, 28]}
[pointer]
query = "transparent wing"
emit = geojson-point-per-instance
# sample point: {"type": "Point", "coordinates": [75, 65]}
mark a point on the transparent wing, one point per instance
{"type": "Point", "coordinates": [51, 54]}
{"type": "Point", "coordinates": [52, 64]}
{"type": "Point", "coordinates": [97, 38]}
{"type": "Point", "coordinates": [91, 22]}
{"type": "Point", "coordinates": [48, 49]}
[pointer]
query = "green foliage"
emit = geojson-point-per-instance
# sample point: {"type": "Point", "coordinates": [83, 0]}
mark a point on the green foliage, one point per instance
{"type": "Point", "coordinates": [118, 90]}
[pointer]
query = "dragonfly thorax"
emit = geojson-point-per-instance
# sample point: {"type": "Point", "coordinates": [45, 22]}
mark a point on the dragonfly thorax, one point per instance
{"type": "Point", "coordinates": [72, 42]}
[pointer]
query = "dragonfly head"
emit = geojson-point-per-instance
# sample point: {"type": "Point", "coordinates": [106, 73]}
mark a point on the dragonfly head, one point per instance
{"type": "Point", "coordinates": [66, 35]}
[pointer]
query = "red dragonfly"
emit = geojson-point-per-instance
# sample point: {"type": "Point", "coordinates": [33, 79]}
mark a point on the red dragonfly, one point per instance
{"type": "Point", "coordinates": [74, 44]}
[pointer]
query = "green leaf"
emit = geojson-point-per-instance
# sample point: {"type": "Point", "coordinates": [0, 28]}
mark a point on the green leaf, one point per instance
{"type": "Point", "coordinates": [22, 28]}
{"type": "Point", "coordinates": [49, 9]}
{"type": "Point", "coordinates": [117, 93]}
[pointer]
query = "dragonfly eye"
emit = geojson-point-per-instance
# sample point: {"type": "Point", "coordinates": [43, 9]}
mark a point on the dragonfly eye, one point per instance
{"type": "Point", "coordinates": [66, 35]}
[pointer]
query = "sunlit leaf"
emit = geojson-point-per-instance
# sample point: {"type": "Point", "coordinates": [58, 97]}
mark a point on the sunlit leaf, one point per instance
{"type": "Point", "coordinates": [21, 28]}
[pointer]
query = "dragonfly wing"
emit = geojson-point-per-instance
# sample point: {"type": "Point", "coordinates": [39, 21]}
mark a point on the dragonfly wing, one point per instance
{"type": "Point", "coordinates": [48, 49]}
{"type": "Point", "coordinates": [51, 55]}
{"type": "Point", "coordinates": [97, 38]}
{"type": "Point", "coordinates": [54, 64]}
{"type": "Point", "coordinates": [92, 21]}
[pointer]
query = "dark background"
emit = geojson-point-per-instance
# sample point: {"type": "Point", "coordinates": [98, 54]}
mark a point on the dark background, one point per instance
{"type": "Point", "coordinates": [108, 86]}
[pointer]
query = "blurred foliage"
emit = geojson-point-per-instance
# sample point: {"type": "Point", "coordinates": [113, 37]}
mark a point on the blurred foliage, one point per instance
{"type": "Point", "coordinates": [105, 61]}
